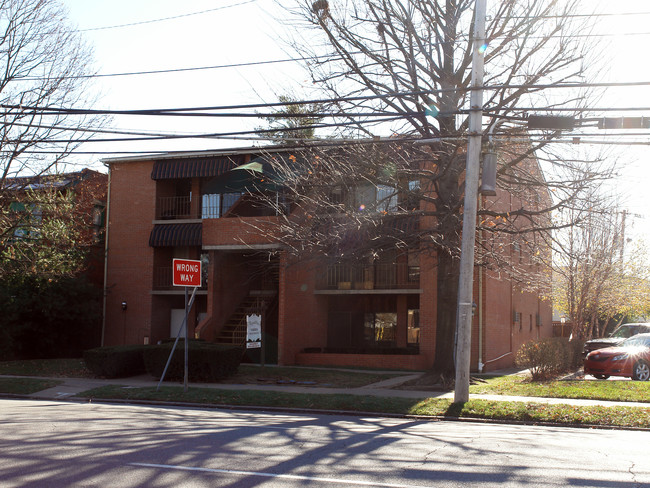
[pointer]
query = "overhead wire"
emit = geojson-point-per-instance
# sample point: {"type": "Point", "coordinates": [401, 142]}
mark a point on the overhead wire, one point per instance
{"type": "Point", "coordinates": [164, 19]}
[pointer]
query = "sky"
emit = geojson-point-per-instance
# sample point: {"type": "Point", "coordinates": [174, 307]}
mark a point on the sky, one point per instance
{"type": "Point", "coordinates": [250, 31]}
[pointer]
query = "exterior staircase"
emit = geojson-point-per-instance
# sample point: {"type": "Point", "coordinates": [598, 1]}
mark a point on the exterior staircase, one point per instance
{"type": "Point", "coordinates": [234, 330]}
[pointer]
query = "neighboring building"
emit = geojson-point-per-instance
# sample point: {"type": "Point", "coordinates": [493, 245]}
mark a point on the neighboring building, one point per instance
{"type": "Point", "coordinates": [87, 191]}
{"type": "Point", "coordinates": [374, 314]}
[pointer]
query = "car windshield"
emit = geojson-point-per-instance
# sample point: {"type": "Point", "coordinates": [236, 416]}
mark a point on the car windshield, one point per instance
{"type": "Point", "coordinates": [623, 332]}
{"type": "Point", "coordinates": [637, 341]}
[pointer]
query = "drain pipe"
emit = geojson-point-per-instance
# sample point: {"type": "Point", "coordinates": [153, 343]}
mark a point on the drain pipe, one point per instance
{"type": "Point", "coordinates": [489, 189]}
{"type": "Point", "coordinates": [105, 291]}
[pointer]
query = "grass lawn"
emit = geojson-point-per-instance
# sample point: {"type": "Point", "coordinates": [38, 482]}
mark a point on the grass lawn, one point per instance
{"type": "Point", "coordinates": [622, 391]}
{"type": "Point", "coordinates": [26, 386]}
{"type": "Point", "coordinates": [247, 374]}
{"type": "Point", "coordinates": [522, 411]}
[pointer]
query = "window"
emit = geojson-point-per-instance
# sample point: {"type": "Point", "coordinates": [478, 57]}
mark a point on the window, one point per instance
{"type": "Point", "coordinates": [386, 199]}
{"type": "Point", "coordinates": [413, 263]}
{"type": "Point", "coordinates": [413, 327]}
{"type": "Point", "coordinates": [379, 328]}
{"type": "Point", "coordinates": [31, 221]}
{"type": "Point", "coordinates": [216, 205]}
{"type": "Point", "coordinates": [380, 198]}
{"type": "Point", "coordinates": [411, 201]}
{"type": "Point", "coordinates": [205, 264]}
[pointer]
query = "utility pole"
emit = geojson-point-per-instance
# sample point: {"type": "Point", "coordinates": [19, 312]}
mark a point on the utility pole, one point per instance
{"type": "Point", "coordinates": [466, 278]}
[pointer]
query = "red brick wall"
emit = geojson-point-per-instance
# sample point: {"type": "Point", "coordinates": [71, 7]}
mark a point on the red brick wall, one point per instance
{"type": "Point", "coordinates": [232, 231]}
{"type": "Point", "coordinates": [130, 259]}
{"type": "Point", "coordinates": [303, 315]}
{"type": "Point", "coordinates": [428, 308]}
{"type": "Point", "coordinates": [503, 297]}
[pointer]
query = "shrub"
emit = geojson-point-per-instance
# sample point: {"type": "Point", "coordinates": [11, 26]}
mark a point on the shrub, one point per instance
{"type": "Point", "coordinates": [545, 357]}
{"type": "Point", "coordinates": [42, 318]}
{"type": "Point", "coordinates": [116, 361]}
{"type": "Point", "coordinates": [207, 362]}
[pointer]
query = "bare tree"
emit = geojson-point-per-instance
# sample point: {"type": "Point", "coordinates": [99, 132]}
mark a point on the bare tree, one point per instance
{"type": "Point", "coordinates": [44, 63]}
{"type": "Point", "coordinates": [410, 61]}
{"type": "Point", "coordinates": [44, 66]}
{"type": "Point", "coordinates": [597, 278]}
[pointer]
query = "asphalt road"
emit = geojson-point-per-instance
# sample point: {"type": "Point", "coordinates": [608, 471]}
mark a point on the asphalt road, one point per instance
{"type": "Point", "coordinates": [59, 444]}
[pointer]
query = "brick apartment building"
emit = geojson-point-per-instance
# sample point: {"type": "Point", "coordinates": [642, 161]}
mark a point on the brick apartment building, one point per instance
{"type": "Point", "coordinates": [87, 188]}
{"type": "Point", "coordinates": [379, 314]}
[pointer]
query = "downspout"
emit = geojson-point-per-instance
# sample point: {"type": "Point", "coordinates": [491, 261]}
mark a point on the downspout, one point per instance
{"type": "Point", "coordinates": [108, 211]}
{"type": "Point", "coordinates": [481, 270]}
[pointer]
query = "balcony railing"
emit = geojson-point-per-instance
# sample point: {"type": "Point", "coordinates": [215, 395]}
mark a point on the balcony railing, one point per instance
{"type": "Point", "coordinates": [369, 277]}
{"type": "Point", "coordinates": [176, 208]}
{"type": "Point", "coordinates": [162, 279]}
{"type": "Point", "coordinates": [212, 206]}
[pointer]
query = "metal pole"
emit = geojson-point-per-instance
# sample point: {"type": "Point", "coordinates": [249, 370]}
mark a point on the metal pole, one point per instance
{"type": "Point", "coordinates": [466, 278]}
{"type": "Point", "coordinates": [262, 339]}
{"type": "Point", "coordinates": [187, 311]}
{"type": "Point", "coordinates": [169, 359]}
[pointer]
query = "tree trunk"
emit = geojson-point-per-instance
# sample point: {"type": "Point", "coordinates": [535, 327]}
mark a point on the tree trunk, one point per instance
{"type": "Point", "coordinates": [448, 271]}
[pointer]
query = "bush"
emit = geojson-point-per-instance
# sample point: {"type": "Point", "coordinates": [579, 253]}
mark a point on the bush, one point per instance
{"type": "Point", "coordinates": [42, 318]}
{"type": "Point", "coordinates": [545, 357]}
{"type": "Point", "coordinates": [115, 362]}
{"type": "Point", "coordinates": [207, 361]}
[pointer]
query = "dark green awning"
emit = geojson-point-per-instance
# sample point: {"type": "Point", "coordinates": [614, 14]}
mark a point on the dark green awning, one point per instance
{"type": "Point", "coordinates": [172, 235]}
{"type": "Point", "coordinates": [193, 167]}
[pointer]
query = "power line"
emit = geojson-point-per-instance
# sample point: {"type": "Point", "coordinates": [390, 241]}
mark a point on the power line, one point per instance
{"type": "Point", "coordinates": [218, 135]}
{"type": "Point", "coordinates": [195, 111]}
{"type": "Point", "coordinates": [571, 16]}
{"type": "Point", "coordinates": [164, 19]}
{"type": "Point", "coordinates": [169, 71]}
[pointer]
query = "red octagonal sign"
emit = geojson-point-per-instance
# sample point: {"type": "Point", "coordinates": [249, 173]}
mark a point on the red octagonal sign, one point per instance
{"type": "Point", "coordinates": [187, 272]}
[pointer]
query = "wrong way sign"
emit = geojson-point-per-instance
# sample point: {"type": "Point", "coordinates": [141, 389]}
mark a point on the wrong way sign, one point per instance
{"type": "Point", "coordinates": [186, 272]}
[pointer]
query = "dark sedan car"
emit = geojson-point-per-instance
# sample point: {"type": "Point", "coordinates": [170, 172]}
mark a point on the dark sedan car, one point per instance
{"type": "Point", "coordinates": [630, 359]}
{"type": "Point", "coordinates": [616, 338]}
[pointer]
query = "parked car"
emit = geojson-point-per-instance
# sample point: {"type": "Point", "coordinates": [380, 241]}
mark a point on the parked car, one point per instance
{"type": "Point", "coordinates": [630, 359]}
{"type": "Point", "coordinates": [621, 333]}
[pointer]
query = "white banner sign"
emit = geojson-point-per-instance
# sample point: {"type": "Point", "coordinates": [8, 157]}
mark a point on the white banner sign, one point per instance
{"type": "Point", "coordinates": [253, 331]}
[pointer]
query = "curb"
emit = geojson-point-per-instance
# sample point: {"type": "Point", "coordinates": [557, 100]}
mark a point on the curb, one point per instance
{"type": "Point", "coordinates": [307, 411]}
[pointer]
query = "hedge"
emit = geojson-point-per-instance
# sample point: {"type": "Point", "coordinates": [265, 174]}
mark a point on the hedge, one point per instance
{"type": "Point", "coordinates": [207, 361]}
{"type": "Point", "coordinates": [116, 361]}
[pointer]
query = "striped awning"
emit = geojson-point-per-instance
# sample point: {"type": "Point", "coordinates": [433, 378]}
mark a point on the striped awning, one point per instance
{"type": "Point", "coordinates": [167, 169]}
{"type": "Point", "coordinates": [166, 235]}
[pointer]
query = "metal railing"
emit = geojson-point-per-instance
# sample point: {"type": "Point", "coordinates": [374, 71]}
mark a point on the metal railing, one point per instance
{"type": "Point", "coordinates": [369, 277]}
{"type": "Point", "coordinates": [175, 208]}
{"type": "Point", "coordinates": [212, 206]}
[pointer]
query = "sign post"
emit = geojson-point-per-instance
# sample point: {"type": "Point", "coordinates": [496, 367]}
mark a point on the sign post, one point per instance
{"type": "Point", "coordinates": [186, 273]}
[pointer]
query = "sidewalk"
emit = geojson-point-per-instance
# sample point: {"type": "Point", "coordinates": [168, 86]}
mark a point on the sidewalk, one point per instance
{"type": "Point", "coordinates": [73, 386]}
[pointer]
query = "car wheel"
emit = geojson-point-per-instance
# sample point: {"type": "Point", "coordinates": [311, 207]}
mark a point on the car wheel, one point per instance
{"type": "Point", "coordinates": [641, 371]}
{"type": "Point", "coordinates": [601, 376]}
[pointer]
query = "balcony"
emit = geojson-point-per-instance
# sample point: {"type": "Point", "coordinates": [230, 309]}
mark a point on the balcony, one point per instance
{"type": "Point", "coordinates": [174, 208]}
{"type": "Point", "coordinates": [212, 206]}
{"type": "Point", "coordinates": [369, 277]}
